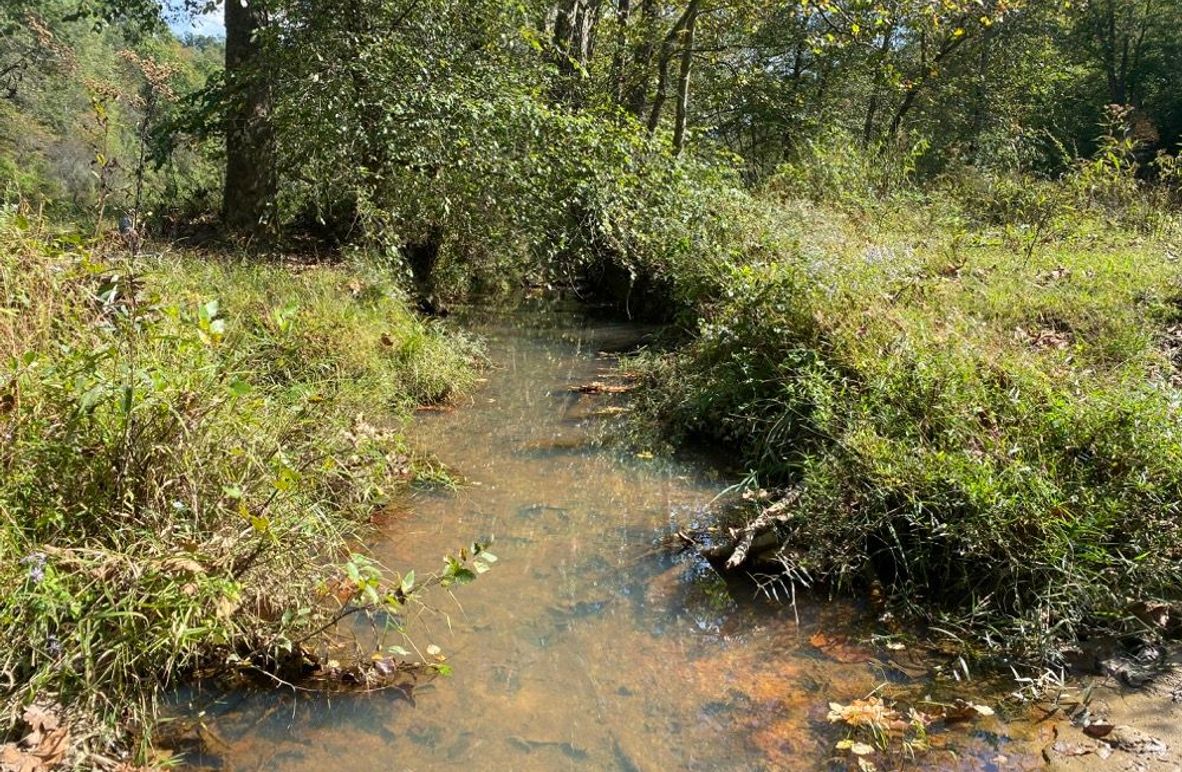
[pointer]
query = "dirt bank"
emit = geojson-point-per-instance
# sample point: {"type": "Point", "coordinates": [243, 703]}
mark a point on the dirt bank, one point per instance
{"type": "Point", "coordinates": [1119, 726]}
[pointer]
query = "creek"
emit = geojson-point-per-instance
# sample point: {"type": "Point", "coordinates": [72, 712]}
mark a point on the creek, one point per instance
{"type": "Point", "coordinates": [589, 645]}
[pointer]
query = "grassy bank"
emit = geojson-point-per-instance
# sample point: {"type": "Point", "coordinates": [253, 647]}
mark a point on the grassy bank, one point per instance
{"type": "Point", "coordinates": [974, 393]}
{"type": "Point", "coordinates": [189, 443]}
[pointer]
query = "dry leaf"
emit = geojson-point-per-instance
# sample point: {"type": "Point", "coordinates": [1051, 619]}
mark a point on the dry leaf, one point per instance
{"type": "Point", "coordinates": [53, 748]}
{"type": "Point", "coordinates": [869, 712]}
{"type": "Point", "coordinates": [39, 719]}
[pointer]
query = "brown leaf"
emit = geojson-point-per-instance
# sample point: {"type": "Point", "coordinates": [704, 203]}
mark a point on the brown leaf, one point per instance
{"type": "Point", "coordinates": [840, 648]}
{"type": "Point", "coordinates": [178, 565]}
{"type": "Point", "coordinates": [13, 759]}
{"type": "Point", "coordinates": [39, 719]}
{"type": "Point", "coordinates": [53, 748]}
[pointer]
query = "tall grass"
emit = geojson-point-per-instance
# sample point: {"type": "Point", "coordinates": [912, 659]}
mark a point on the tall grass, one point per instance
{"type": "Point", "coordinates": [978, 401]}
{"type": "Point", "coordinates": [188, 445]}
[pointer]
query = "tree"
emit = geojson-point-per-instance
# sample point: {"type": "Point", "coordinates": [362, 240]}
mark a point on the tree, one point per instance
{"type": "Point", "coordinates": [250, 185]}
{"type": "Point", "coordinates": [575, 25]}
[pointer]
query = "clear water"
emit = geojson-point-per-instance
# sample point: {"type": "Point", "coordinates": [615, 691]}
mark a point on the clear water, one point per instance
{"type": "Point", "coordinates": [589, 646]}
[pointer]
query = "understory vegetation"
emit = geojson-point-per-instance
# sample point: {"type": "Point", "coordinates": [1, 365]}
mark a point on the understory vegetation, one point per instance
{"type": "Point", "coordinates": [190, 444]}
{"type": "Point", "coordinates": [918, 262]}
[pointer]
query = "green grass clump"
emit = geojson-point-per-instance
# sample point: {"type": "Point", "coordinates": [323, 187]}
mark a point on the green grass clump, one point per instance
{"type": "Point", "coordinates": [992, 431]}
{"type": "Point", "coordinates": [187, 444]}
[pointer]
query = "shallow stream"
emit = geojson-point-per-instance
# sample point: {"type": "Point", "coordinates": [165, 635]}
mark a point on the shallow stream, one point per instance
{"type": "Point", "coordinates": [589, 645]}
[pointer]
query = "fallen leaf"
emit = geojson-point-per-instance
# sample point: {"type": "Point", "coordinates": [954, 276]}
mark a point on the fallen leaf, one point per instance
{"type": "Point", "coordinates": [53, 748]}
{"type": "Point", "coordinates": [1064, 748]}
{"type": "Point", "coordinates": [840, 648]}
{"type": "Point", "coordinates": [869, 712]}
{"type": "Point", "coordinates": [39, 719]}
{"type": "Point", "coordinates": [385, 667]}
{"type": "Point", "coordinates": [963, 710]}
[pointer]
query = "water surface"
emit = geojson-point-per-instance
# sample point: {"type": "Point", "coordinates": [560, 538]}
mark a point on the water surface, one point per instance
{"type": "Point", "coordinates": [589, 646]}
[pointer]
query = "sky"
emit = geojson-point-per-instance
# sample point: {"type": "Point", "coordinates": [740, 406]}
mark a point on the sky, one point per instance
{"type": "Point", "coordinates": [183, 23]}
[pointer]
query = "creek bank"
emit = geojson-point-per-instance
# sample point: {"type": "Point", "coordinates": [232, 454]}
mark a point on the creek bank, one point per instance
{"type": "Point", "coordinates": [193, 442]}
{"type": "Point", "coordinates": [1020, 494]}
{"type": "Point", "coordinates": [1116, 725]}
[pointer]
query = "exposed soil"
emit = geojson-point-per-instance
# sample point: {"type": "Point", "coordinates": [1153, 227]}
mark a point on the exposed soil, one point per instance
{"type": "Point", "coordinates": [1123, 727]}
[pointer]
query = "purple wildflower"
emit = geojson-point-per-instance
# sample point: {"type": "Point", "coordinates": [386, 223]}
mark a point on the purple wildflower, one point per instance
{"type": "Point", "coordinates": [36, 563]}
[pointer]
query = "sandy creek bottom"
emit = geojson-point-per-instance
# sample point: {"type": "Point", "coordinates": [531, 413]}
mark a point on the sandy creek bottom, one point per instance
{"type": "Point", "coordinates": [587, 646]}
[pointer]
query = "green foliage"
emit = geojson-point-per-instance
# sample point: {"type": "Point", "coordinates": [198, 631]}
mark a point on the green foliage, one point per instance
{"type": "Point", "coordinates": [989, 431]}
{"type": "Point", "coordinates": [83, 110]}
{"type": "Point", "coordinates": [189, 446]}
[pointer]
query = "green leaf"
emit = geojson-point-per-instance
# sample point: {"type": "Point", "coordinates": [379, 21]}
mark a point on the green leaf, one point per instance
{"type": "Point", "coordinates": [286, 480]}
{"type": "Point", "coordinates": [408, 582]}
{"type": "Point", "coordinates": [239, 387]}
{"type": "Point", "coordinates": [92, 398]}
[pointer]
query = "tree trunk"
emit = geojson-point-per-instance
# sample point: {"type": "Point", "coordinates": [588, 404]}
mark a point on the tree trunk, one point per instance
{"type": "Point", "coordinates": [981, 97]}
{"type": "Point", "coordinates": [249, 194]}
{"type": "Point", "coordinates": [668, 48]}
{"type": "Point", "coordinates": [912, 92]}
{"type": "Point", "coordinates": [620, 54]}
{"type": "Point", "coordinates": [574, 41]}
{"type": "Point", "coordinates": [636, 92]}
{"type": "Point", "coordinates": [683, 79]}
{"type": "Point", "coordinates": [876, 91]}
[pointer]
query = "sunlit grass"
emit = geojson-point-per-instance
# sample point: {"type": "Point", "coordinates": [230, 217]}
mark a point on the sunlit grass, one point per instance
{"type": "Point", "coordinates": [189, 443]}
{"type": "Point", "coordinates": [989, 430]}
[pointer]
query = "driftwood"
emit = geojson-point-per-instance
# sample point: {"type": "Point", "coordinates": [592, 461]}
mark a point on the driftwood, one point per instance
{"type": "Point", "coordinates": [755, 537]}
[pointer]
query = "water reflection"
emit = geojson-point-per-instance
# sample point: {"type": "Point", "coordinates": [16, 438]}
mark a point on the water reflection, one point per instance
{"type": "Point", "coordinates": [588, 646]}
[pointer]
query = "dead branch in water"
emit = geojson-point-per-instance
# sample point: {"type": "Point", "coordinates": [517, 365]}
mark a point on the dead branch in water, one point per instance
{"type": "Point", "coordinates": [755, 537]}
